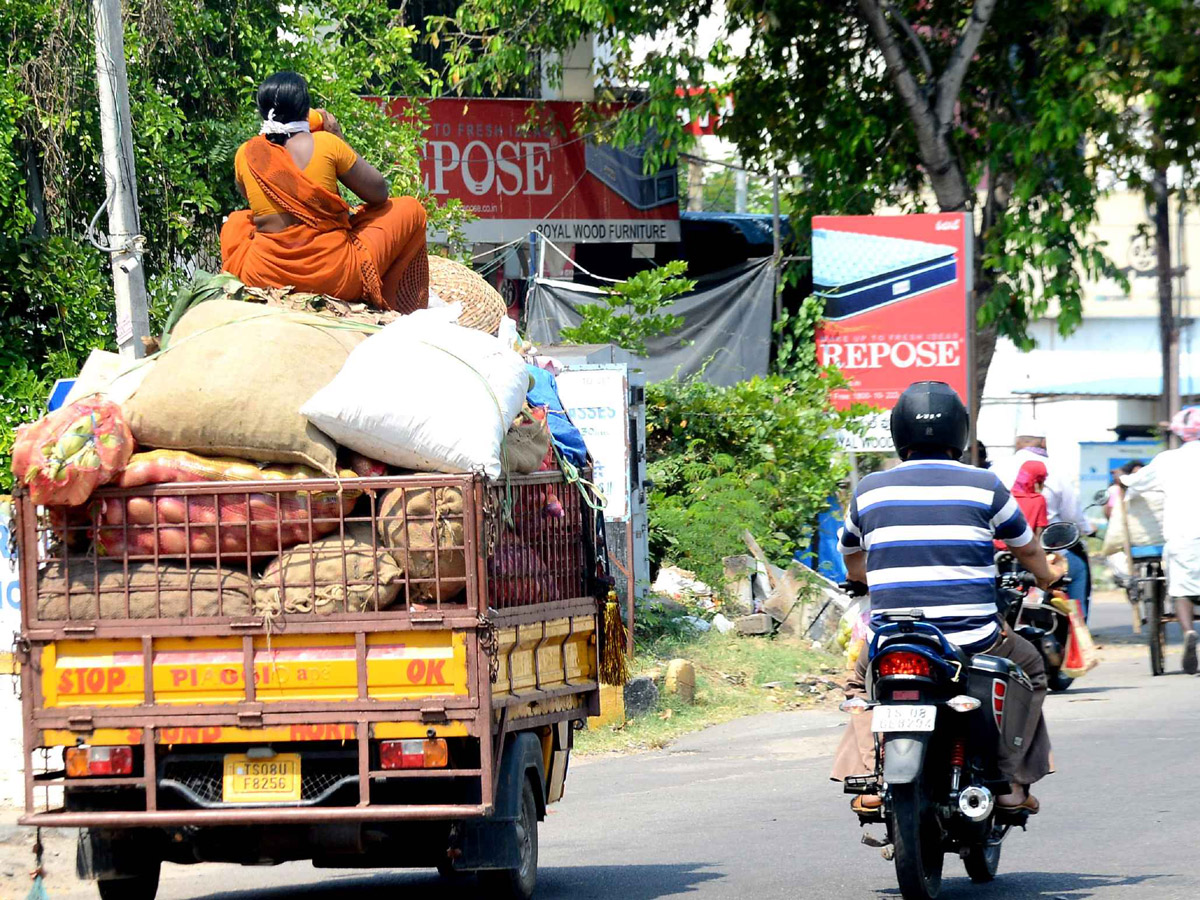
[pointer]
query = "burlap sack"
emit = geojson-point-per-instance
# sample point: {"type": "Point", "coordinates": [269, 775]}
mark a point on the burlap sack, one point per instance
{"type": "Point", "coordinates": [482, 305]}
{"type": "Point", "coordinates": [525, 444]}
{"type": "Point", "coordinates": [233, 381]}
{"type": "Point", "coordinates": [1145, 515]}
{"type": "Point", "coordinates": [312, 578]}
{"type": "Point", "coordinates": [213, 591]}
{"type": "Point", "coordinates": [407, 528]}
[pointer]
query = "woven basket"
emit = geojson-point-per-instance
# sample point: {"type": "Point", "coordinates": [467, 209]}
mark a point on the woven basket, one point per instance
{"type": "Point", "coordinates": [482, 305]}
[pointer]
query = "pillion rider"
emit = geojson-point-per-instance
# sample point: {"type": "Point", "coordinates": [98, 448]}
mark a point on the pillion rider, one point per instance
{"type": "Point", "coordinates": [920, 536]}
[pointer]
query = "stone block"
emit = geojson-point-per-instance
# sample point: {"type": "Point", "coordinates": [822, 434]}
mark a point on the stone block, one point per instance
{"type": "Point", "coordinates": [641, 696]}
{"type": "Point", "coordinates": [681, 680]}
{"type": "Point", "coordinates": [759, 623]}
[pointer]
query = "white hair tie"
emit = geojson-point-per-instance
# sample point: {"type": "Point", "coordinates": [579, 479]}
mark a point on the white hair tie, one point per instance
{"type": "Point", "coordinates": [270, 126]}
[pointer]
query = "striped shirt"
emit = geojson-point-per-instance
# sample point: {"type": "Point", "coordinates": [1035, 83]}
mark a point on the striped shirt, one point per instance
{"type": "Point", "coordinates": [927, 527]}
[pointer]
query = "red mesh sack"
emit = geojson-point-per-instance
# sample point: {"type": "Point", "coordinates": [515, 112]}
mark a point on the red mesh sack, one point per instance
{"type": "Point", "coordinates": [63, 457]}
{"type": "Point", "coordinates": [518, 576]}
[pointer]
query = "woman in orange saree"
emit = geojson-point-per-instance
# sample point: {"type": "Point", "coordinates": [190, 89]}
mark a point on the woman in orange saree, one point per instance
{"type": "Point", "coordinates": [300, 233]}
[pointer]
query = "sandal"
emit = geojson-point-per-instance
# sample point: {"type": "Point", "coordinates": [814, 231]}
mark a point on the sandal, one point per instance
{"type": "Point", "coordinates": [867, 804]}
{"type": "Point", "coordinates": [1029, 804]}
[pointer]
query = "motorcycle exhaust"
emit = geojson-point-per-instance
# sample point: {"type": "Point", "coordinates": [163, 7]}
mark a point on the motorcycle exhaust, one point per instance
{"type": "Point", "coordinates": [976, 803]}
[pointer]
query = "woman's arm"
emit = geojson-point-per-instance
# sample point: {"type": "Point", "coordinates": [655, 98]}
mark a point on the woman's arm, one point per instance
{"type": "Point", "coordinates": [367, 184]}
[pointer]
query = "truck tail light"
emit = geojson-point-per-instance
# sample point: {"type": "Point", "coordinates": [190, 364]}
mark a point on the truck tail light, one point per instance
{"type": "Point", "coordinates": [415, 754]}
{"type": "Point", "coordinates": [903, 662]}
{"type": "Point", "coordinates": [84, 761]}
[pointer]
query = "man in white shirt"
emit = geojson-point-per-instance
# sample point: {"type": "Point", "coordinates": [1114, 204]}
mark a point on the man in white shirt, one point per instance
{"type": "Point", "coordinates": [1176, 474]}
{"type": "Point", "coordinates": [1062, 501]}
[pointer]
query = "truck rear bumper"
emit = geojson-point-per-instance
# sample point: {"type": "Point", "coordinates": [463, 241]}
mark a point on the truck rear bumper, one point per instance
{"type": "Point", "coordinates": [261, 815]}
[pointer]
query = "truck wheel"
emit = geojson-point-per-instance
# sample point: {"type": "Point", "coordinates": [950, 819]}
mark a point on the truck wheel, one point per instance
{"type": "Point", "coordinates": [143, 886]}
{"type": "Point", "coordinates": [518, 883]}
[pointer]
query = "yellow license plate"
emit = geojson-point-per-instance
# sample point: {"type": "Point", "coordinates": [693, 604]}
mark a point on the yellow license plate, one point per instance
{"type": "Point", "coordinates": [273, 780]}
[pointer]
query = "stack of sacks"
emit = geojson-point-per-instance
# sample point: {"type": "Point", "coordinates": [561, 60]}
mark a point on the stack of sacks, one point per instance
{"type": "Point", "coordinates": [253, 391]}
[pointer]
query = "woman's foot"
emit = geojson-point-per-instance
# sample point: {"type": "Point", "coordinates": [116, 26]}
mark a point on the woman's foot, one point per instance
{"type": "Point", "coordinates": [866, 804]}
{"type": "Point", "coordinates": [1018, 799]}
{"type": "Point", "coordinates": [1189, 653]}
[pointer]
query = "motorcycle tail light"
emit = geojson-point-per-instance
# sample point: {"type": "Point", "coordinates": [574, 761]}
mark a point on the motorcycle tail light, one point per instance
{"type": "Point", "coordinates": [84, 761]}
{"type": "Point", "coordinates": [904, 662]}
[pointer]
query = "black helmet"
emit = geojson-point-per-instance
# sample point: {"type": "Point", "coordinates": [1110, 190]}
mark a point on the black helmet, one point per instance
{"type": "Point", "coordinates": [930, 414]}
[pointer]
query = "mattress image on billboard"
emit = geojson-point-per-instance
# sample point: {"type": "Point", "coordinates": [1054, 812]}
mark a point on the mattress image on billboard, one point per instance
{"type": "Point", "coordinates": [621, 171]}
{"type": "Point", "coordinates": [855, 273]}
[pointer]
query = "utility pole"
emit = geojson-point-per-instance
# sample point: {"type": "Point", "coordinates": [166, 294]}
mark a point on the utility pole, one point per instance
{"type": "Point", "coordinates": [1168, 323]}
{"type": "Point", "coordinates": [741, 190]}
{"type": "Point", "coordinates": [777, 245]}
{"type": "Point", "coordinates": [116, 131]}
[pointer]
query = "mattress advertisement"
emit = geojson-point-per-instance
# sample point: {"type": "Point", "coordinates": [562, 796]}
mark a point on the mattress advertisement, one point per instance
{"type": "Point", "coordinates": [896, 290]}
{"type": "Point", "coordinates": [519, 167]}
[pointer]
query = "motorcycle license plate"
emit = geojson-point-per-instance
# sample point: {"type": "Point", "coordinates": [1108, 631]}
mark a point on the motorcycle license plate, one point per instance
{"type": "Point", "coordinates": [274, 780]}
{"type": "Point", "coordinates": [903, 718]}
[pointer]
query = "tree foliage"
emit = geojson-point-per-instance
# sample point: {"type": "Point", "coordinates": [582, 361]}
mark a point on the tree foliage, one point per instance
{"type": "Point", "coordinates": [631, 311]}
{"type": "Point", "coordinates": [982, 106]}
{"type": "Point", "coordinates": [194, 66]}
{"type": "Point", "coordinates": [760, 455]}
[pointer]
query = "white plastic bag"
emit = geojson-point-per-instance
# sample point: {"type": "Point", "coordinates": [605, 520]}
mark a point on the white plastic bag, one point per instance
{"type": "Point", "coordinates": [425, 393]}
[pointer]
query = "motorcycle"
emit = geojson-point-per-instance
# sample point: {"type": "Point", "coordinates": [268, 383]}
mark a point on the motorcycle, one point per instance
{"type": "Point", "coordinates": [939, 717]}
{"type": "Point", "coordinates": [1031, 613]}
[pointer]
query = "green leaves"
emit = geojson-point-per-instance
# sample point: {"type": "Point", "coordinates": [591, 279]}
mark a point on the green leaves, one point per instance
{"type": "Point", "coordinates": [758, 455]}
{"type": "Point", "coordinates": [629, 312]}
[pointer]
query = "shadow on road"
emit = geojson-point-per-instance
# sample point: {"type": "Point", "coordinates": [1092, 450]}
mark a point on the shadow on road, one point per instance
{"type": "Point", "coordinates": [632, 882]}
{"type": "Point", "coordinates": [1036, 886]}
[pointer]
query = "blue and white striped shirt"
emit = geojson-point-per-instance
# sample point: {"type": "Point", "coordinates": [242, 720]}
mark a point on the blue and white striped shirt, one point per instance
{"type": "Point", "coordinates": [927, 527]}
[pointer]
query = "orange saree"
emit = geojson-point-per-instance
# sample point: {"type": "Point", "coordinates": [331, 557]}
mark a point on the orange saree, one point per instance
{"type": "Point", "coordinates": [375, 255]}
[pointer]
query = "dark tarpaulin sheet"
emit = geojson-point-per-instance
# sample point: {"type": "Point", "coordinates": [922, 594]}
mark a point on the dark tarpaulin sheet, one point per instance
{"type": "Point", "coordinates": [726, 332]}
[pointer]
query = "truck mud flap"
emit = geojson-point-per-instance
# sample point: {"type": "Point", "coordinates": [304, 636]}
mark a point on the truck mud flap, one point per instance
{"type": "Point", "coordinates": [491, 843]}
{"type": "Point", "coordinates": [904, 757]}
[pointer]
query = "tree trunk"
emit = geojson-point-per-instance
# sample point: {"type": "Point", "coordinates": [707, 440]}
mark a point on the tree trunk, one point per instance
{"type": "Point", "coordinates": [1168, 326]}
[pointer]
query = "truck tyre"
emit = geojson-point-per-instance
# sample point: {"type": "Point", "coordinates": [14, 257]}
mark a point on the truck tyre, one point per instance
{"type": "Point", "coordinates": [520, 882]}
{"type": "Point", "coordinates": [143, 886]}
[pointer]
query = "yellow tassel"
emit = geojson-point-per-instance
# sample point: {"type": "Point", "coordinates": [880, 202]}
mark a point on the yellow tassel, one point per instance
{"type": "Point", "coordinates": [614, 667]}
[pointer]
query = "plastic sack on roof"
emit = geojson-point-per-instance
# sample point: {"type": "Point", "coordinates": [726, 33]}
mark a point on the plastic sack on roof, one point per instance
{"type": "Point", "coordinates": [63, 457]}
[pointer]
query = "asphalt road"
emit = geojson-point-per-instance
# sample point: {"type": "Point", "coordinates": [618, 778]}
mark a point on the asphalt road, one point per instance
{"type": "Point", "coordinates": [745, 810]}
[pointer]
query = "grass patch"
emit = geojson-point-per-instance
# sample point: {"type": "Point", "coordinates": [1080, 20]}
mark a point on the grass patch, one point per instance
{"type": "Point", "coordinates": [730, 674]}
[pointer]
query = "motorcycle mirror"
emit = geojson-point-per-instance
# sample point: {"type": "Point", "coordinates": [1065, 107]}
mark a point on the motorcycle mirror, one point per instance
{"type": "Point", "coordinates": [1099, 498]}
{"type": "Point", "coordinates": [1060, 536]}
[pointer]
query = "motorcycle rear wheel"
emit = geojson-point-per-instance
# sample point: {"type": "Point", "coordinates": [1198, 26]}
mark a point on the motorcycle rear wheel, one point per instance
{"type": "Point", "coordinates": [916, 840]}
{"type": "Point", "coordinates": [982, 862]}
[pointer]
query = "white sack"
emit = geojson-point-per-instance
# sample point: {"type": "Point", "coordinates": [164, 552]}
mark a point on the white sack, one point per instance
{"type": "Point", "coordinates": [426, 394]}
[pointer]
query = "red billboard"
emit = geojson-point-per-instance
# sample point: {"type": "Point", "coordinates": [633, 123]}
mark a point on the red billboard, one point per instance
{"type": "Point", "coordinates": [522, 166]}
{"type": "Point", "coordinates": [896, 292]}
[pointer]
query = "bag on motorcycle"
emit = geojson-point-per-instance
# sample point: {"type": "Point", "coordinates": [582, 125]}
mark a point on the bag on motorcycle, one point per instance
{"type": "Point", "coordinates": [1006, 694]}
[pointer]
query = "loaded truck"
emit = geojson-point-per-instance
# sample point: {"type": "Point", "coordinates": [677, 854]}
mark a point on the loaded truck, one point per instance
{"type": "Point", "coordinates": [185, 702]}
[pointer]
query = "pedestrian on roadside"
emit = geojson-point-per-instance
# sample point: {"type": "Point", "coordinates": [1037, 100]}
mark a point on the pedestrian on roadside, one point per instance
{"type": "Point", "coordinates": [1176, 474]}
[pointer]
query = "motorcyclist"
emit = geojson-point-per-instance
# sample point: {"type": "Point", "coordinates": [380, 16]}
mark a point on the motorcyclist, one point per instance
{"type": "Point", "coordinates": [1062, 502]}
{"type": "Point", "coordinates": [920, 536]}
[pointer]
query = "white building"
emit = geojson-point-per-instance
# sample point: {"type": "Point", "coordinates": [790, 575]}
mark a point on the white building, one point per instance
{"type": "Point", "coordinates": [1104, 380]}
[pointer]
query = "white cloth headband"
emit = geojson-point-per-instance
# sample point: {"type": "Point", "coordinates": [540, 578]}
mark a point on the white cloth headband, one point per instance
{"type": "Point", "coordinates": [270, 126]}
